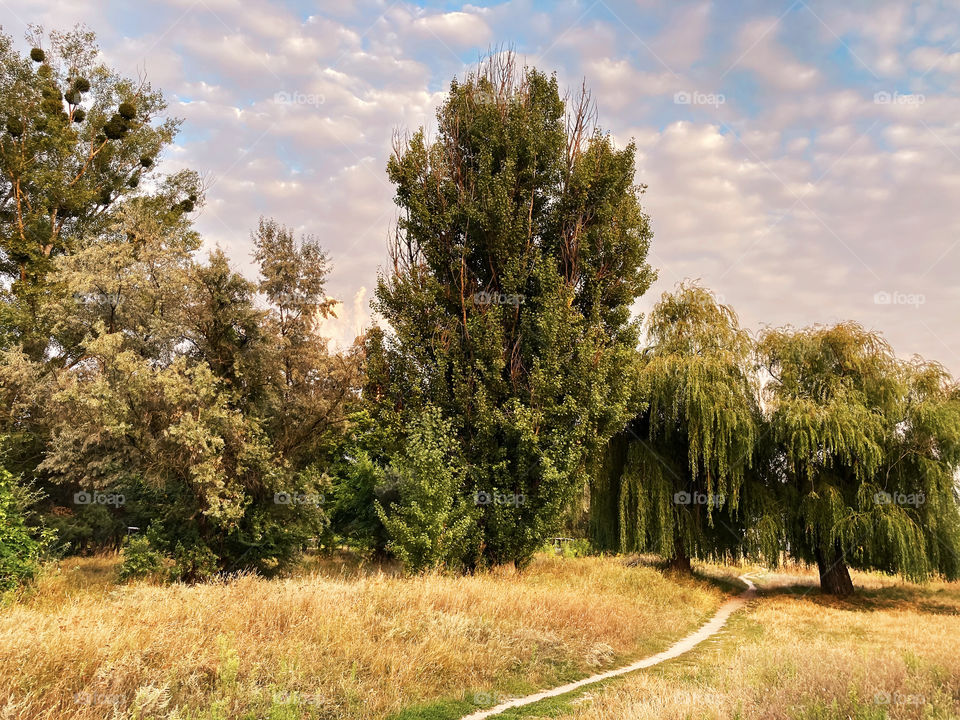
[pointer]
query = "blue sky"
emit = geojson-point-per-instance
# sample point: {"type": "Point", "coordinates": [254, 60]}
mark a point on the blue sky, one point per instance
{"type": "Point", "coordinates": [802, 158]}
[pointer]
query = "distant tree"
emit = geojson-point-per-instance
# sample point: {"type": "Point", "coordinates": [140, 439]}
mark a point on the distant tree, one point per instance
{"type": "Point", "coordinates": [360, 483]}
{"type": "Point", "coordinates": [869, 448]}
{"type": "Point", "coordinates": [520, 249]}
{"type": "Point", "coordinates": [316, 389]}
{"type": "Point", "coordinates": [672, 483]}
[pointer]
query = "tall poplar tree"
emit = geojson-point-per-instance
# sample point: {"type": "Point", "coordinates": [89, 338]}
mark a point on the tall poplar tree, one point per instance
{"type": "Point", "coordinates": [520, 248]}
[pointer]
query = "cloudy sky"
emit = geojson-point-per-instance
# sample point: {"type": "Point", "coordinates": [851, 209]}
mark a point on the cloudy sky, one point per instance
{"type": "Point", "coordinates": [802, 158]}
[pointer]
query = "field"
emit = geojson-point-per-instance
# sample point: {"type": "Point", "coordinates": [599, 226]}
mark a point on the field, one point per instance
{"type": "Point", "coordinates": [334, 641]}
{"type": "Point", "coordinates": [892, 652]}
{"type": "Point", "coordinates": [338, 640]}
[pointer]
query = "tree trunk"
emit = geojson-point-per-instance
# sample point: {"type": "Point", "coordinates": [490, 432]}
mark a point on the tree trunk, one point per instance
{"type": "Point", "coordinates": [834, 576]}
{"type": "Point", "coordinates": [680, 562]}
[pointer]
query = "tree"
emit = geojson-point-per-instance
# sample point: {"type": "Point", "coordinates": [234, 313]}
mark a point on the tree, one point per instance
{"type": "Point", "coordinates": [520, 248]}
{"type": "Point", "coordinates": [315, 389]}
{"type": "Point", "coordinates": [78, 139]}
{"type": "Point", "coordinates": [868, 447]}
{"type": "Point", "coordinates": [672, 482]}
{"type": "Point", "coordinates": [178, 404]}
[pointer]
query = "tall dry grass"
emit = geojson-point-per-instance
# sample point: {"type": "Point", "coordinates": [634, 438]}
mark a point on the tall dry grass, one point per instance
{"type": "Point", "coordinates": [341, 645]}
{"type": "Point", "coordinates": [891, 652]}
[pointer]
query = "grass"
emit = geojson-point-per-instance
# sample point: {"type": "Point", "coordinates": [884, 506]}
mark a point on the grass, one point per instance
{"type": "Point", "coordinates": [890, 652]}
{"type": "Point", "coordinates": [336, 641]}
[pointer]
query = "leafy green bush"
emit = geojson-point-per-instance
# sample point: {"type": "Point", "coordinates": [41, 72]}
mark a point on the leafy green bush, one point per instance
{"type": "Point", "coordinates": [430, 525]}
{"type": "Point", "coordinates": [140, 560]}
{"type": "Point", "coordinates": [21, 547]}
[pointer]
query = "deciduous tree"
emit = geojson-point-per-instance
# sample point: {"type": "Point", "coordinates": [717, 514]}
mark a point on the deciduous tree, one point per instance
{"type": "Point", "coordinates": [520, 249]}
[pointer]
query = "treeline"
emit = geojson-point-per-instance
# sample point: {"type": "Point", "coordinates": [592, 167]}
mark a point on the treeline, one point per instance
{"type": "Point", "coordinates": [509, 394]}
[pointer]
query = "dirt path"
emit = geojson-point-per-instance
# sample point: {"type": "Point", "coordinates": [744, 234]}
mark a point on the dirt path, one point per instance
{"type": "Point", "coordinates": [709, 629]}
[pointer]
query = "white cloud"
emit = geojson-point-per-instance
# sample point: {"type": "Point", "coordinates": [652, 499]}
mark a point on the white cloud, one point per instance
{"type": "Point", "coordinates": [797, 204]}
{"type": "Point", "coordinates": [759, 51]}
{"type": "Point", "coordinates": [455, 28]}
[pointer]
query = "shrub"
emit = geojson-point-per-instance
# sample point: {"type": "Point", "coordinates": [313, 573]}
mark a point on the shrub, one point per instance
{"type": "Point", "coordinates": [430, 524]}
{"type": "Point", "coordinates": [140, 560]}
{"type": "Point", "coordinates": [21, 547]}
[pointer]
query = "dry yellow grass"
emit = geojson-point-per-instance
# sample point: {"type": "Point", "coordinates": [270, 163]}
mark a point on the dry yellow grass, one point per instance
{"type": "Point", "coordinates": [328, 643]}
{"type": "Point", "coordinates": [893, 652]}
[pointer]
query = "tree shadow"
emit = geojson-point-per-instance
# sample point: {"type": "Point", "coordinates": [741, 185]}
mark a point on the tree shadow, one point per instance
{"type": "Point", "coordinates": [933, 599]}
{"type": "Point", "coordinates": [725, 580]}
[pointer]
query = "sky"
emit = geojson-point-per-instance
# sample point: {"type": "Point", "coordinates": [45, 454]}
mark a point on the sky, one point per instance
{"type": "Point", "coordinates": [801, 159]}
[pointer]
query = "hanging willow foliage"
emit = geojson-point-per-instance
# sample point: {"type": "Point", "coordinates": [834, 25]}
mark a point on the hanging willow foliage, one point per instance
{"type": "Point", "coordinates": [691, 447]}
{"type": "Point", "coordinates": [869, 447]}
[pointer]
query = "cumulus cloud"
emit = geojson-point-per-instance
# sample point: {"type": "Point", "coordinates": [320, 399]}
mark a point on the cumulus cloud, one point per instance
{"type": "Point", "coordinates": [760, 52]}
{"type": "Point", "coordinates": [798, 199]}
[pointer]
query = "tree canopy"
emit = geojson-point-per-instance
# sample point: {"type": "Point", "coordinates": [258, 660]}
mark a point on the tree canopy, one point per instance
{"type": "Point", "coordinates": [869, 453]}
{"type": "Point", "coordinates": [520, 248]}
{"type": "Point", "coordinates": [678, 468]}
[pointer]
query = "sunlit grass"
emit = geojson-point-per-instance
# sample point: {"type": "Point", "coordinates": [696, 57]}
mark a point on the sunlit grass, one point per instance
{"type": "Point", "coordinates": [337, 641]}
{"type": "Point", "coordinates": [890, 652]}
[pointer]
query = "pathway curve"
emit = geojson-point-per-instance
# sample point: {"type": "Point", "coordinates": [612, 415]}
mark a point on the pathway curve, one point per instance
{"type": "Point", "coordinates": [708, 630]}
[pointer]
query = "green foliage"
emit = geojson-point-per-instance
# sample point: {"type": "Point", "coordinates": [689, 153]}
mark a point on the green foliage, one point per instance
{"type": "Point", "coordinates": [520, 248]}
{"type": "Point", "coordinates": [679, 469]}
{"type": "Point", "coordinates": [429, 525]}
{"type": "Point", "coordinates": [63, 169]}
{"type": "Point", "coordinates": [572, 548]}
{"type": "Point", "coordinates": [360, 484]}
{"type": "Point", "coordinates": [22, 548]}
{"type": "Point", "coordinates": [140, 560]}
{"type": "Point", "coordinates": [869, 451]}
{"type": "Point", "coordinates": [214, 416]}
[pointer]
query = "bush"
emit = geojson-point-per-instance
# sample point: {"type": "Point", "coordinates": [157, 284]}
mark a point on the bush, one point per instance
{"type": "Point", "coordinates": [21, 547]}
{"type": "Point", "coordinates": [194, 562]}
{"type": "Point", "coordinates": [429, 526]}
{"type": "Point", "coordinates": [140, 560]}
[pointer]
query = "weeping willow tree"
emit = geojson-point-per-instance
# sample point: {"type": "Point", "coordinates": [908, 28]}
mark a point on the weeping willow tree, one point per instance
{"type": "Point", "coordinates": [675, 477]}
{"type": "Point", "coordinates": [868, 449]}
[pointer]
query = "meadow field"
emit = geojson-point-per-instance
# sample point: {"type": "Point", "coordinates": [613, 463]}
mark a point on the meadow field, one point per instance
{"type": "Point", "coordinates": [339, 639]}
{"type": "Point", "coordinates": [333, 641]}
{"type": "Point", "coordinates": [795, 654]}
